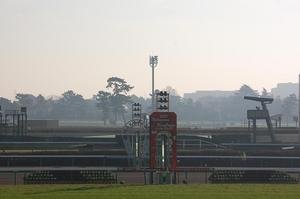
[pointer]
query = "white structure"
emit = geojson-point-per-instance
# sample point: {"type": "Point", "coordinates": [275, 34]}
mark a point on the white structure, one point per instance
{"type": "Point", "coordinates": [208, 93]}
{"type": "Point", "coordinates": [285, 89]}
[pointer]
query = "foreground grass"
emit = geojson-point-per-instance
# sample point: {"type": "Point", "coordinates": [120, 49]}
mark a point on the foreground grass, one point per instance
{"type": "Point", "coordinates": [151, 191]}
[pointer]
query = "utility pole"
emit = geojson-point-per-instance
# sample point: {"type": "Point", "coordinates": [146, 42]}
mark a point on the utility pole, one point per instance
{"type": "Point", "coordinates": [153, 61]}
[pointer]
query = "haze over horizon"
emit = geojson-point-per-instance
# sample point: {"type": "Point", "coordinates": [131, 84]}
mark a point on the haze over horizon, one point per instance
{"type": "Point", "coordinates": [50, 46]}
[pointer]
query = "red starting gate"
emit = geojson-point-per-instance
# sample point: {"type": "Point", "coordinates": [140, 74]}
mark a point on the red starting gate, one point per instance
{"type": "Point", "coordinates": [163, 130]}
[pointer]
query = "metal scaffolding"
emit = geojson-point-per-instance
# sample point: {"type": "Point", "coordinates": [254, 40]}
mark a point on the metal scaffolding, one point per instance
{"type": "Point", "coordinates": [13, 122]}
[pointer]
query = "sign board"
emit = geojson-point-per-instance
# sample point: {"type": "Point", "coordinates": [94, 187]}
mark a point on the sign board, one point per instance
{"type": "Point", "coordinates": [257, 114]}
{"type": "Point", "coordinates": [163, 121]}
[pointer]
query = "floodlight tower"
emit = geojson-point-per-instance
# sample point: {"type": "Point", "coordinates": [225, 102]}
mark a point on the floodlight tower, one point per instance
{"type": "Point", "coordinates": [153, 61]}
{"type": "Point", "coordinates": [299, 108]}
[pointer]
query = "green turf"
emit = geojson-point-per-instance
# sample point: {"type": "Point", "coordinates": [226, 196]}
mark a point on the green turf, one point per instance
{"type": "Point", "coordinates": [151, 191]}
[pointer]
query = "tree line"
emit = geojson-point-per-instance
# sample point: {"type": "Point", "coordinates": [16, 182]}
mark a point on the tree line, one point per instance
{"type": "Point", "coordinates": [113, 104]}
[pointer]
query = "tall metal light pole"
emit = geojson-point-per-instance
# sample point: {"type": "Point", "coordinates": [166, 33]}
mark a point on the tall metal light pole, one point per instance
{"type": "Point", "coordinates": [153, 61]}
{"type": "Point", "coordinates": [299, 108]}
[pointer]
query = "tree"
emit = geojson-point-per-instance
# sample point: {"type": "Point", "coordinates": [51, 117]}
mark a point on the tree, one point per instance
{"type": "Point", "coordinates": [171, 91]}
{"type": "Point", "coordinates": [70, 106]}
{"type": "Point", "coordinates": [246, 90]}
{"type": "Point", "coordinates": [116, 101]}
{"type": "Point", "coordinates": [119, 98]}
{"type": "Point", "coordinates": [40, 108]}
{"type": "Point", "coordinates": [289, 107]}
{"type": "Point", "coordinates": [118, 85]}
{"type": "Point", "coordinates": [27, 100]}
{"type": "Point", "coordinates": [276, 106]}
{"type": "Point", "coordinates": [239, 106]}
{"type": "Point", "coordinates": [103, 102]}
{"type": "Point", "coordinates": [264, 93]}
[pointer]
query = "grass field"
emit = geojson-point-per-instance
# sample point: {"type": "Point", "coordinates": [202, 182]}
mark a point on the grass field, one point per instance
{"type": "Point", "coordinates": [245, 191]}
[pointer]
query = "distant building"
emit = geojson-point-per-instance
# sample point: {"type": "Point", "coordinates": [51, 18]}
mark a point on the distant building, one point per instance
{"type": "Point", "coordinates": [285, 89]}
{"type": "Point", "coordinates": [208, 93]}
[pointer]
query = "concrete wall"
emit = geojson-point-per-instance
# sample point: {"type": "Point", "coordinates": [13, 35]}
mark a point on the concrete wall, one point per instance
{"type": "Point", "coordinates": [42, 124]}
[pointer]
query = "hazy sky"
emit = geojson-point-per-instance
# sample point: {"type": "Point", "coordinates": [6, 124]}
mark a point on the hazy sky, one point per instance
{"type": "Point", "coordinates": [50, 46]}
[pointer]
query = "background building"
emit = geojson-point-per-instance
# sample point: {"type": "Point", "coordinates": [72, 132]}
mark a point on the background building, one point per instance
{"type": "Point", "coordinates": [285, 89]}
{"type": "Point", "coordinates": [208, 93]}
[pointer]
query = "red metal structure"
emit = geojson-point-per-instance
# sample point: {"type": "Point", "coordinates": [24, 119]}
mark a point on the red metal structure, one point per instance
{"type": "Point", "coordinates": [163, 131]}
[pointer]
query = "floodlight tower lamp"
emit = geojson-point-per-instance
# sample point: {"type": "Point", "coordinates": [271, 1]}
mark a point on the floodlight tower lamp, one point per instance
{"type": "Point", "coordinates": [153, 61]}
